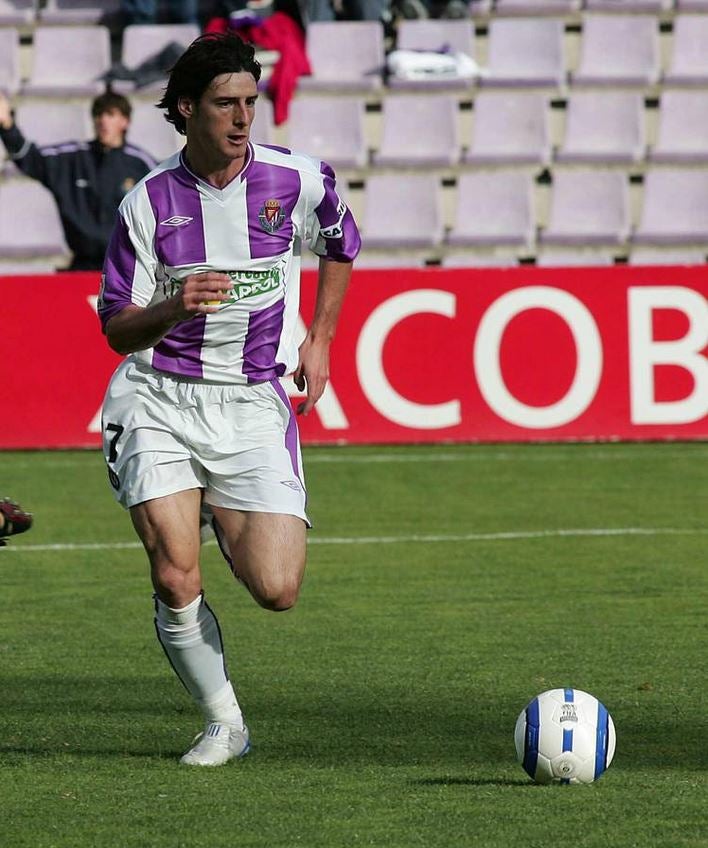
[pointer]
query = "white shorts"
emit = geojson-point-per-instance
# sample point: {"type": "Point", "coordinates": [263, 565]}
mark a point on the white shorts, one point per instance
{"type": "Point", "coordinates": [239, 443]}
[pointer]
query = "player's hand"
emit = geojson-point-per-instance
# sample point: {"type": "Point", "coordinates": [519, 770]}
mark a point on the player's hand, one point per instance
{"type": "Point", "coordinates": [202, 294]}
{"type": "Point", "coordinates": [5, 112]}
{"type": "Point", "coordinates": [312, 372]}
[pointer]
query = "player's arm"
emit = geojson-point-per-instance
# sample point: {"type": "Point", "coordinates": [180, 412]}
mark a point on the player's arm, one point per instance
{"type": "Point", "coordinates": [139, 327]}
{"type": "Point", "coordinates": [312, 372]}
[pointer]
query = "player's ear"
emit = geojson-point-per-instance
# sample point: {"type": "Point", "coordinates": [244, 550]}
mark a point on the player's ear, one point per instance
{"type": "Point", "coordinates": [185, 106]}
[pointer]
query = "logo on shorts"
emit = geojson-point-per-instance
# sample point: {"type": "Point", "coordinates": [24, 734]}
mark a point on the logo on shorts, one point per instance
{"type": "Point", "coordinates": [114, 478]}
{"type": "Point", "coordinates": [292, 484]}
{"type": "Point", "coordinates": [271, 216]}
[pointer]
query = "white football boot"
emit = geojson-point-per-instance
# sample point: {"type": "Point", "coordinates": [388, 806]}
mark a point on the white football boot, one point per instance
{"type": "Point", "coordinates": [218, 744]}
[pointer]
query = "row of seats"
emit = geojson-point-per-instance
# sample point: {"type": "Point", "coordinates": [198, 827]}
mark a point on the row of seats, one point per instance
{"type": "Point", "coordinates": [588, 208]}
{"type": "Point", "coordinates": [350, 55]}
{"type": "Point", "coordinates": [425, 131]}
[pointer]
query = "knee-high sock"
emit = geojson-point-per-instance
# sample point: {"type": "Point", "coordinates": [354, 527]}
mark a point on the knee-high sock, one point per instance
{"type": "Point", "coordinates": [191, 638]}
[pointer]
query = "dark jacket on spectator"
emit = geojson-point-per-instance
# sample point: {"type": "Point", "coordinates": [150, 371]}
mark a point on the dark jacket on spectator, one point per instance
{"type": "Point", "coordinates": [87, 181]}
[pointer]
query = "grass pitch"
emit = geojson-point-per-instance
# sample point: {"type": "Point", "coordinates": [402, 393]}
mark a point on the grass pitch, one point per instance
{"type": "Point", "coordinates": [446, 586]}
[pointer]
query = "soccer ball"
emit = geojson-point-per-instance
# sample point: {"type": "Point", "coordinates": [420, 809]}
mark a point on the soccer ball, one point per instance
{"type": "Point", "coordinates": [564, 736]}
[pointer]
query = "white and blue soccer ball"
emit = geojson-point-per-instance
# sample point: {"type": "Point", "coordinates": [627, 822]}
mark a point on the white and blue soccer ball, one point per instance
{"type": "Point", "coordinates": [565, 736]}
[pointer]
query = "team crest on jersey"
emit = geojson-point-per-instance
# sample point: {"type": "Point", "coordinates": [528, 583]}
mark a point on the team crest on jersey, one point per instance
{"type": "Point", "coordinates": [271, 216]}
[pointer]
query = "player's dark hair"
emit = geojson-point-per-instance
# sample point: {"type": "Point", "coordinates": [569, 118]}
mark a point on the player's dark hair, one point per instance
{"type": "Point", "coordinates": [206, 57]}
{"type": "Point", "coordinates": [108, 102]}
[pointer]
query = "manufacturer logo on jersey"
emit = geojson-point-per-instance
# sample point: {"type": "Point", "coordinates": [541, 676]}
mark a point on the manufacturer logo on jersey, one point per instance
{"type": "Point", "coordinates": [271, 216]}
{"type": "Point", "coordinates": [175, 221]}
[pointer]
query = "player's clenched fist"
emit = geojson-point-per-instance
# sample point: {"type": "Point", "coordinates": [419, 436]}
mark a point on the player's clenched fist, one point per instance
{"type": "Point", "coordinates": [203, 293]}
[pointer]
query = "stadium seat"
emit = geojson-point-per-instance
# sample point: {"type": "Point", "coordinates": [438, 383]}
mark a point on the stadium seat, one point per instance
{"type": "Point", "coordinates": [388, 259]}
{"type": "Point", "coordinates": [525, 52]}
{"type": "Point", "coordinates": [402, 211]}
{"type": "Point", "coordinates": [149, 130]}
{"type": "Point", "coordinates": [69, 61]}
{"type": "Point", "coordinates": [537, 7]}
{"type": "Point", "coordinates": [689, 57]}
{"type": "Point", "coordinates": [478, 260]}
{"type": "Point", "coordinates": [657, 256]}
{"type": "Point", "coordinates": [419, 131]}
{"type": "Point", "coordinates": [683, 128]}
{"type": "Point", "coordinates": [494, 209]}
{"type": "Point", "coordinates": [263, 126]}
{"type": "Point", "coordinates": [329, 127]}
{"type": "Point", "coordinates": [604, 127]}
{"type": "Point", "coordinates": [54, 121]}
{"type": "Point", "coordinates": [655, 6]}
{"type": "Point", "coordinates": [66, 12]}
{"type": "Point", "coordinates": [692, 5]}
{"type": "Point", "coordinates": [142, 42]}
{"type": "Point", "coordinates": [29, 222]}
{"type": "Point", "coordinates": [436, 36]}
{"type": "Point", "coordinates": [573, 259]}
{"type": "Point", "coordinates": [510, 128]}
{"type": "Point", "coordinates": [15, 13]}
{"type": "Point", "coordinates": [13, 268]}
{"type": "Point", "coordinates": [675, 207]}
{"type": "Point", "coordinates": [344, 55]}
{"type": "Point", "coordinates": [619, 50]}
{"type": "Point", "coordinates": [588, 207]}
{"type": "Point", "coordinates": [9, 61]}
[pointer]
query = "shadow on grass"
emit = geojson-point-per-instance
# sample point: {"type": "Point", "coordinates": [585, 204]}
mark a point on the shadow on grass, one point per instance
{"type": "Point", "coordinates": [352, 725]}
{"type": "Point", "coordinates": [472, 781]}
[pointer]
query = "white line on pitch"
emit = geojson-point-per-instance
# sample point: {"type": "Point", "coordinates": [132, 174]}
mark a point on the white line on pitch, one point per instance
{"type": "Point", "coordinates": [413, 537]}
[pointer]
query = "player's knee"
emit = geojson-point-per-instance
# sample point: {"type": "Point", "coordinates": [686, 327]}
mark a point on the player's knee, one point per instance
{"type": "Point", "coordinates": [278, 595]}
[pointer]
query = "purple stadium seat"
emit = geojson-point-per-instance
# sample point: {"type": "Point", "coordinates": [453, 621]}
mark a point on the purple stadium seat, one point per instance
{"type": "Point", "coordinates": [537, 7]}
{"type": "Point", "coordinates": [619, 50]}
{"type": "Point", "coordinates": [510, 128]}
{"type": "Point", "coordinates": [657, 256]}
{"type": "Point", "coordinates": [494, 209]}
{"type": "Point", "coordinates": [143, 41]}
{"type": "Point", "coordinates": [588, 207]}
{"type": "Point", "coordinates": [436, 36]}
{"type": "Point", "coordinates": [53, 122]}
{"type": "Point", "coordinates": [683, 128]}
{"type": "Point", "coordinates": [14, 268]}
{"type": "Point", "coordinates": [402, 211]}
{"type": "Point", "coordinates": [692, 5]}
{"type": "Point", "coordinates": [478, 260]}
{"type": "Point", "coordinates": [689, 57]}
{"type": "Point", "coordinates": [9, 61]}
{"type": "Point", "coordinates": [67, 12]}
{"type": "Point", "coordinates": [419, 131]}
{"type": "Point", "coordinates": [16, 13]}
{"type": "Point", "coordinates": [69, 61]}
{"type": "Point", "coordinates": [344, 55]}
{"type": "Point", "coordinates": [604, 126]}
{"type": "Point", "coordinates": [388, 259]}
{"type": "Point", "coordinates": [525, 52]}
{"type": "Point", "coordinates": [330, 128]}
{"type": "Point", "coordinates": [29, 222]}
{"type": "Point", "coordinates": [623, 6]}
{"type": "Point", "coordinates": [149, 130]}
{"type": "Point", "coordinates": [573, 259]}
{"type": "Point", "coordinates": [675, 207]}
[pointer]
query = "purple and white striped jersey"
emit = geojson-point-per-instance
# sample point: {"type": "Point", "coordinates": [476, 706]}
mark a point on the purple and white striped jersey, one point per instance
{"type": "Point", "coordinates": [173, 224]}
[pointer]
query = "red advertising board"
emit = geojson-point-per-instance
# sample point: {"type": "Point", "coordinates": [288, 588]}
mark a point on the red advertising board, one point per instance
{"type": "Point", "coordinates": [420, 356]}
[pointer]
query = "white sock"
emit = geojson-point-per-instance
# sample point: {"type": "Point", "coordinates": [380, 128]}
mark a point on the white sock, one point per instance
{"type": "Point", "coordinates": [192, 641]}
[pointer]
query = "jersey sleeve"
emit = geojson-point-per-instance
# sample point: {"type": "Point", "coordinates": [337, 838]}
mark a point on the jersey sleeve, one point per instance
{"type": "Point", "coordinates": [332, 230]}
{"type": "Point", "coordinates": [129, 269]}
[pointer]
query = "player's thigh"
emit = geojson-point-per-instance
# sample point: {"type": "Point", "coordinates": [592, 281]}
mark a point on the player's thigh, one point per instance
{"type": "Point", "coordinates": [268, 552]}
{"type": "Point", "coordinates": [169, 529]}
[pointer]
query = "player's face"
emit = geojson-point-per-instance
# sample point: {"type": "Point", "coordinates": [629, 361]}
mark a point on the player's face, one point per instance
{"type": "Point", "coordinates": [222, 119]}
{"type": "Point", "coordinates": [110, 127]}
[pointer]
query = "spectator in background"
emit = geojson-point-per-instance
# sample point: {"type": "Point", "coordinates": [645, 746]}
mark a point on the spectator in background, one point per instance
{"type": "Point", "coordinates": [145, 11]}
{"type": "Point", "coordinates": [87, 178]}
{"type": "Point", "coordinates": [13, 520]}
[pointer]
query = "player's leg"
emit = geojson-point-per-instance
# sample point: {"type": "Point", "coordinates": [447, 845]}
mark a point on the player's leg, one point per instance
{"type": "Point", "coordinates": [267, 552]}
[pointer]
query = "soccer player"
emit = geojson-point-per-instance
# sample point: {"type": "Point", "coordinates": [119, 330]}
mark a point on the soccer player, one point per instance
{"type": "Point", "coordinates": [201, 289]}
{"type": "Point", "coordinates": [13, 520]}
{"type": "Point", "coordinates": [87, 178]}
